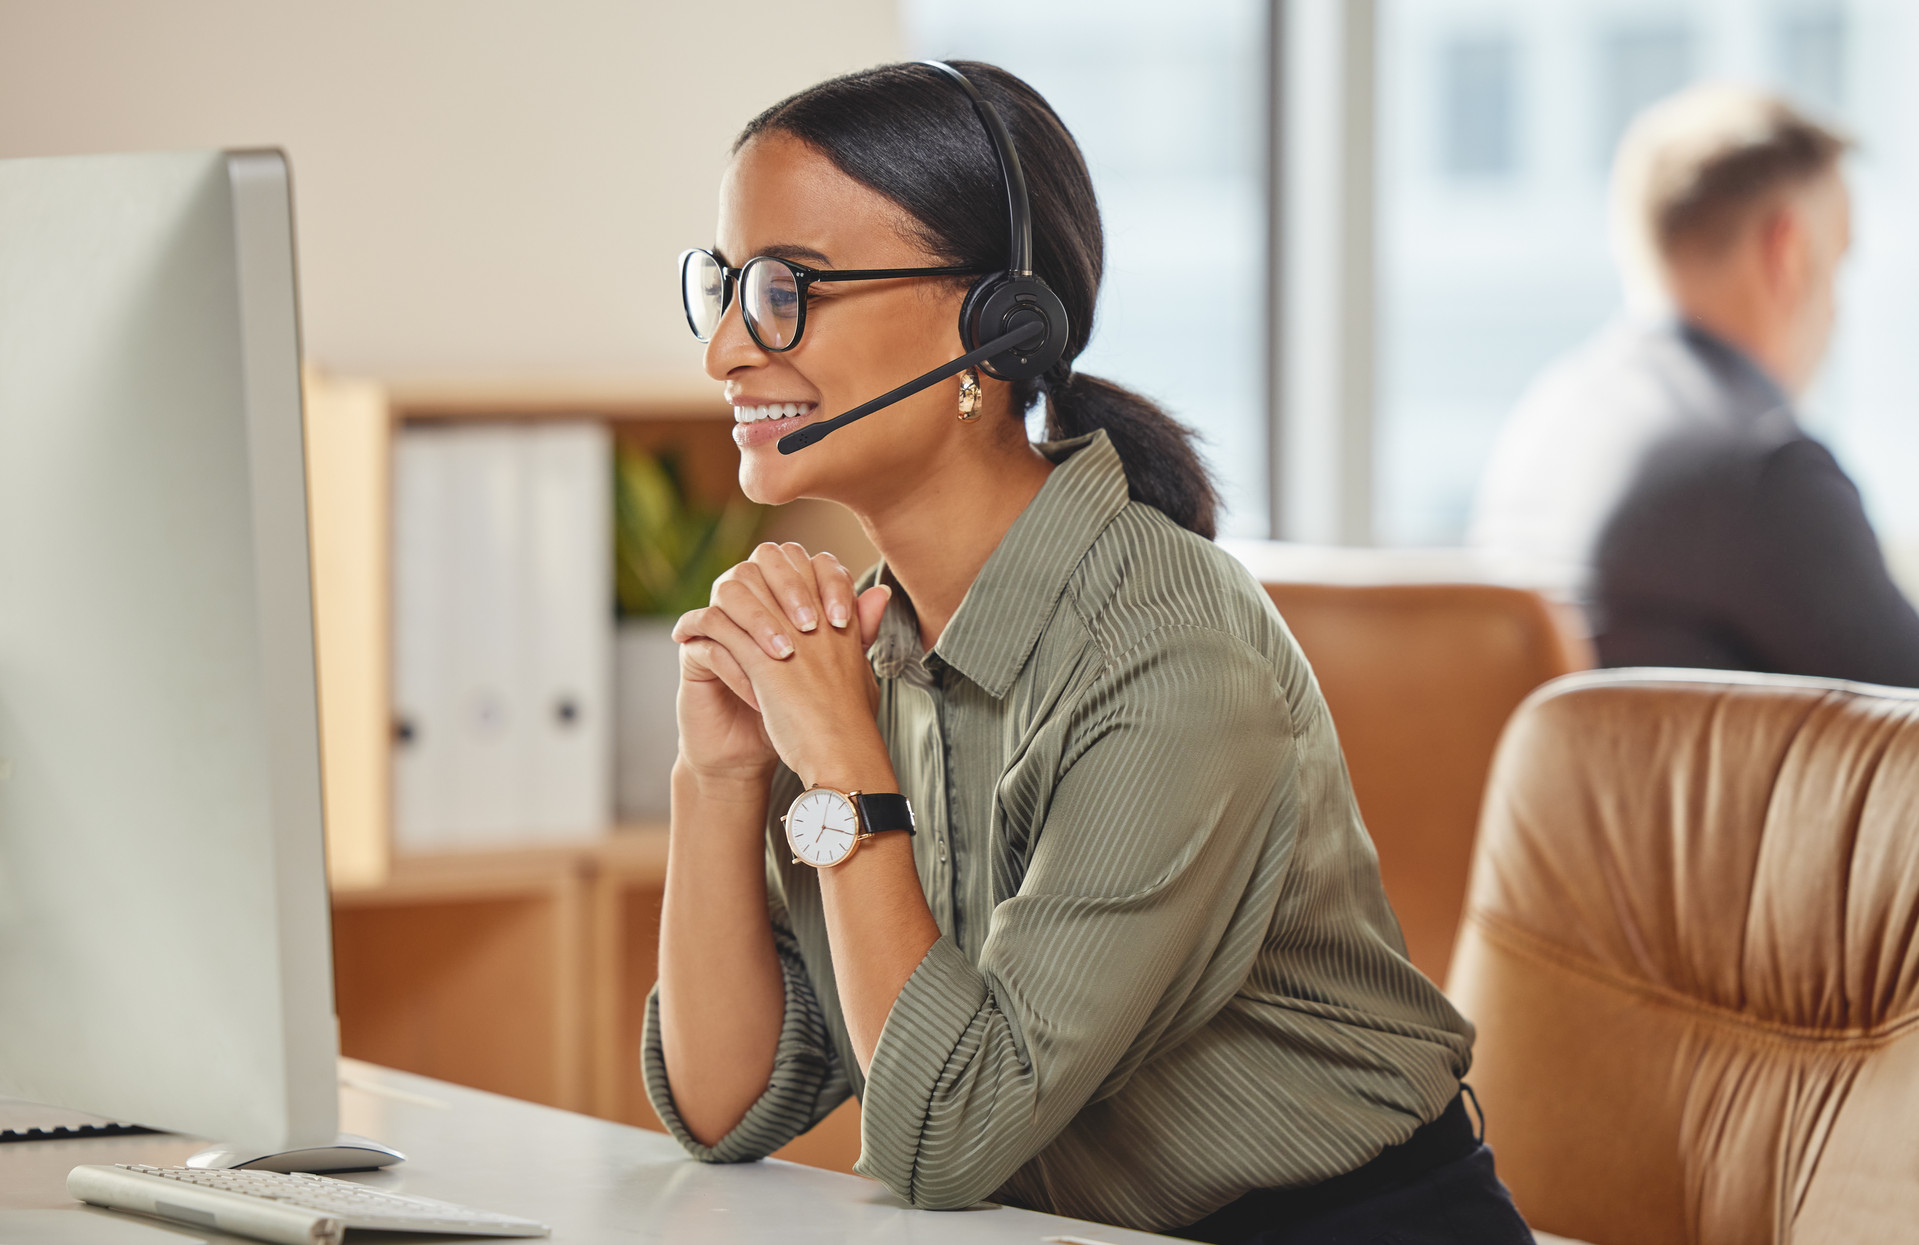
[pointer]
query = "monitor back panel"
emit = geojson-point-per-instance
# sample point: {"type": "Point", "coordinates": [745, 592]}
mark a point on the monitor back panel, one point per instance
{"type": "Point", "coordinates": [163, 923]}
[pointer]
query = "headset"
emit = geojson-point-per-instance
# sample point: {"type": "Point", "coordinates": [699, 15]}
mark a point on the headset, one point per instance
{"type": "Point", "coordinates": [1012, 324]}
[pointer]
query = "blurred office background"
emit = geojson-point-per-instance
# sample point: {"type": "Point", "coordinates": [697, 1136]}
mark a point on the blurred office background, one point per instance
{"type": "Point", "coordinates": [1342, 238]}
{"type": "Point", "coordinates": [1497, 123]}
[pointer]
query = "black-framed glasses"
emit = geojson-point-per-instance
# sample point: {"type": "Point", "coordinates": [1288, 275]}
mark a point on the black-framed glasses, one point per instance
{"type": "Point", "coordinates": [772, 293]}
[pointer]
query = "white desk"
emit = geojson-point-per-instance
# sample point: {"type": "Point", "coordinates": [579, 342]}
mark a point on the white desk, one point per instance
{"type": "Point", "coordinates": [593, 1180]}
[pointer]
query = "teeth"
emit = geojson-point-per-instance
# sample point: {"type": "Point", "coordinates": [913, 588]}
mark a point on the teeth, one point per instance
{"type": "Point", "coordinates": [773, 410]}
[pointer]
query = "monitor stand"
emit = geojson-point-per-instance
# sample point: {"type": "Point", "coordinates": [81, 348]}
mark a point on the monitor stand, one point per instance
{"type": "Point", "coordinates": [348, 1153]}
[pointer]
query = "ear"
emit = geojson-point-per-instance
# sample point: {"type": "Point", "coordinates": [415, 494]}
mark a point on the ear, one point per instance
{"type": "Point", "coordinates": [1784, 249]}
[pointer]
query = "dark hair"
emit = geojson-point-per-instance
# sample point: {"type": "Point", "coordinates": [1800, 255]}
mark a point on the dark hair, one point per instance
{"type": "Point", "coordinates": [912, 135]}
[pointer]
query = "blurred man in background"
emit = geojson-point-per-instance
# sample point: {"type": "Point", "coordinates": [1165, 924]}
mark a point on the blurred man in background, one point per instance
{"type": "Point", "coordinates": [1660, 468]}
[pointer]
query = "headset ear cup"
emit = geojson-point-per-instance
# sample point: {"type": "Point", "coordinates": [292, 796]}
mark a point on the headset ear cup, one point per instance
{"type": "Point", "coordinates": [1000, 304]}
{"type": "Point", "coordinates": [976, 297]}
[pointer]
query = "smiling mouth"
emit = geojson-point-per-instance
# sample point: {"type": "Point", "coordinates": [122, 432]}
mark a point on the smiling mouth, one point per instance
{"type": "Point", "coordinates": [757, 425]}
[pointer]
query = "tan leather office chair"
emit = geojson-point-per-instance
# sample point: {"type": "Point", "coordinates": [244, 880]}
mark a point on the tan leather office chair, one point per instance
{"type": "Point", "coordinates": [1692, 951]}
{"type": "Point", "coordinates": [1420, 678]}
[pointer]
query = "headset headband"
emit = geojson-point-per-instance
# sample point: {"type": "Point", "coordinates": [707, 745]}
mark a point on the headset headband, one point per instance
{"type": "Point", "coordinates": [1019, 216]}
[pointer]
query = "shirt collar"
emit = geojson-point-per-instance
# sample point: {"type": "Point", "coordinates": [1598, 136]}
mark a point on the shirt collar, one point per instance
{"type": "Point", "coordinates": [1742, 367]}
{"type": "Point", "coordinates": [1000, 619]}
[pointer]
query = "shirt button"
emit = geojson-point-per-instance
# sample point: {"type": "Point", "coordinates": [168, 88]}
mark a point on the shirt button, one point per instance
{"type": "Point", "coordinates": [942, 843]}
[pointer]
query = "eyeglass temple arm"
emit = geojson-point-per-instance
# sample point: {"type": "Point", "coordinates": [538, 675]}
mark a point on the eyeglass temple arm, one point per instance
{"type": "Point", "coordinates": [882, 274]}
{"type": "Point", "coordinates": [800, 438]}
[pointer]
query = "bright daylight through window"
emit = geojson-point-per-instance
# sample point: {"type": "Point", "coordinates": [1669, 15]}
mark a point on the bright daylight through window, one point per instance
{"type": "Point", "coordinates": [1497, 123]}
{"type": "Point", "coordinates": [1168, 103]}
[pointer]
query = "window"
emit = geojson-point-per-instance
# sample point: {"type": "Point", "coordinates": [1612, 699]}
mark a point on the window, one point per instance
{"type": "Point", "coordinates": [1478, 139]}
{"type": "Point", "coordinates": [1640, 65]}
{"type": "Point", "coordinates": [1168, 102]}
{"type": "Point", "coordinates": [1811, 57]}
{"type": "Point", "coordinates": [1480, 281]}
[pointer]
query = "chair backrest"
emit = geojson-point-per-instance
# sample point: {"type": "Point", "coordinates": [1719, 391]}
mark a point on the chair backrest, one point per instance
{"type": "Point", "coordinates": [1420, 678]}
{"type": "Point", "coordinates": [1690, 951]}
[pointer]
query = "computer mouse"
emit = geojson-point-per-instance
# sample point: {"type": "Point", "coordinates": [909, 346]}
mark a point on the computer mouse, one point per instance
{"type": "Point", "coordinates": [348, 1153]}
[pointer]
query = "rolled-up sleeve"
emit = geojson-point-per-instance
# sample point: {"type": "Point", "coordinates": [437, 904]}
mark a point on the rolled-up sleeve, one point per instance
{"type": "Point", "coordinates": [1157, 818]}
{"type": "Point", "coordinates": [807, 1081]}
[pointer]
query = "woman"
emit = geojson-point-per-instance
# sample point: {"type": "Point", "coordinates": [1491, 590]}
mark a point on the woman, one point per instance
{"type": "Point", "coordinates": [1133, 962]}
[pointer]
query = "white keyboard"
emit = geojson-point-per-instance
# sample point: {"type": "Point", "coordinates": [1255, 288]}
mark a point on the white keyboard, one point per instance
{"type": "Point", "coordinates": [287, 1208]}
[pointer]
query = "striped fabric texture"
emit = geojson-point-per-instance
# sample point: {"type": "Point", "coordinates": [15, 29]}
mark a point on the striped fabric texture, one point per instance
{"type": "Point", "coordinates": [1167, 973]}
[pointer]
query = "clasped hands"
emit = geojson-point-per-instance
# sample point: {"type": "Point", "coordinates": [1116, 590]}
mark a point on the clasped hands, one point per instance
{"type": "Point", "coordinates": [775, 669]}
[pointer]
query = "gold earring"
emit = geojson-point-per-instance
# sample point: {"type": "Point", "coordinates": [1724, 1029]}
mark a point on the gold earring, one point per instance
{"type": "Point", "coordinates": [969, 402]}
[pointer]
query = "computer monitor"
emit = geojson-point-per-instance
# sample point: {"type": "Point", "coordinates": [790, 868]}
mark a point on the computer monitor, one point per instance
{"type": "Point", "coordinates": [164, 954]}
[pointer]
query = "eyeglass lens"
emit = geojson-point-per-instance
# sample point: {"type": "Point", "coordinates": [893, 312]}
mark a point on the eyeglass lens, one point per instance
{"type": "Point", "coordinates": [703, 287]}
{"type": "Point", "coordinates": [770, 297]}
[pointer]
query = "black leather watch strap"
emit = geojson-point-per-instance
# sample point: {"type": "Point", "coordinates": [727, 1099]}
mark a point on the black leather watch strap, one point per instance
{"type": "Point", "coordinates": [885, 811]}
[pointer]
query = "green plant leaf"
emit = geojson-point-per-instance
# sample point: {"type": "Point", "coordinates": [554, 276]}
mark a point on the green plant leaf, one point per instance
{"type": "Point", "coordinates": [667, 548]}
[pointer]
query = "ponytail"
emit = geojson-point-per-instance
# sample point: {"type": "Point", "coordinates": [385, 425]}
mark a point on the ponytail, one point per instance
{"type": "Point", "coordinates": [1163, 467]}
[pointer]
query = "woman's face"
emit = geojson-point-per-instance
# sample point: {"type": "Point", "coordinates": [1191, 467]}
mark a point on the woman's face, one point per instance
{"type": "Point", "coordinates": [783, 198]}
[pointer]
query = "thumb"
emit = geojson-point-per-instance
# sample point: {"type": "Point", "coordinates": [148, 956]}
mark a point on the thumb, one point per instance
{"type": "Point", "coordinates": [872, 604]}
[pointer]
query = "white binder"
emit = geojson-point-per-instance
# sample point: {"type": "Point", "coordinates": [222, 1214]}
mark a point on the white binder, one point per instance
{"type": "Point", "coordinates": [503, 633]}
{"type": "Point", "coordinates": [422, 628]}
{"type": "Point", "coordinates": [569, 636]}
{"type": "Point", "coordinates": [486, 803]}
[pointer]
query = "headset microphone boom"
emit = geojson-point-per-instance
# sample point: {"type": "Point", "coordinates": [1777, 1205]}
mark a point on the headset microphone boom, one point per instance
{"type": "Point", "coordinates": [1026, 321]}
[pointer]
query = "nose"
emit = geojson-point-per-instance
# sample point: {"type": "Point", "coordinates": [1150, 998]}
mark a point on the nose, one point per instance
{"type": "Point", "coordinates": [731, 347]}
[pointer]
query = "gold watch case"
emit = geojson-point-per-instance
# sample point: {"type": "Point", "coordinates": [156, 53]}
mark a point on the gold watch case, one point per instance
{"type": "Point", "coordinates": [821, 821]}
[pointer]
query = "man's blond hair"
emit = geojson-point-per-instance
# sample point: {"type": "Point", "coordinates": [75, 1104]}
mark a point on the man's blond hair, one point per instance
{"type": "Point", "coordinates": [1693, 170]}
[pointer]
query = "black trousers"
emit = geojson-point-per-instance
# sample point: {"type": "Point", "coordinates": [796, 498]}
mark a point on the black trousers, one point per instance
{"type": "Point", "coordinates": [1436, 1188]}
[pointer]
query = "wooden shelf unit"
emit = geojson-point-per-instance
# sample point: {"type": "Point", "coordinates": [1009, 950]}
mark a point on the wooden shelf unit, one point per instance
{"type": "Point", "coordinates": [524, 972]}
{"type": "Point", "coordinates": [505, 970]}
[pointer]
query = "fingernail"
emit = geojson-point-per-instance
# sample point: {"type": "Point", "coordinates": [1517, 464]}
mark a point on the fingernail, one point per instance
{"type": "Point", "coordinates": [839, 615]}
{"type": "Point", "coordinates": [808, 619]}
{"type": "Point", "coordinates": [782, 647]}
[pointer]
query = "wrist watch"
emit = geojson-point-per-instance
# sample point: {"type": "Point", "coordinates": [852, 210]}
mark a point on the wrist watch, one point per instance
{"type": "Point", "coordinates": [825, 827]}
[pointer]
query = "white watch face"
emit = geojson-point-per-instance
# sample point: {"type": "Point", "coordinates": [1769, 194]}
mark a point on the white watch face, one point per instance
{"type": "Point", "coordinates": [821, 827]}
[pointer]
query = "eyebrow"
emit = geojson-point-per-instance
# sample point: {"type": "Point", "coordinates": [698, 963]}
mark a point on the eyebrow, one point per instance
{"type": "Point", "coordinates": [789, 250]}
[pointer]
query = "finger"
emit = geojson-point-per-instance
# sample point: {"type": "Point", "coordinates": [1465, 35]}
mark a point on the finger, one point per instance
{"type": "Point", "coordinates": [790, 580]}
{"type": "Point", "coordinates": [718, 626]}
{"type": "Point", "coordinates": [705, 661]}
{"type": "Point", "coordinates": [687, 626]}
{"type": "Point", "coordinates": [836, 588]}
{"type": "Point", "coordinates": [872, 607]}
{"type": "Point", "coordinates": [753, 576]}
{"type": "Point", "coordinates": [741, 595]}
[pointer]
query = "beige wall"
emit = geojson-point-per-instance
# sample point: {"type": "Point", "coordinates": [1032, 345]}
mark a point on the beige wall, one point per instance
{"type": "Point", "coordinates": [488, 191]}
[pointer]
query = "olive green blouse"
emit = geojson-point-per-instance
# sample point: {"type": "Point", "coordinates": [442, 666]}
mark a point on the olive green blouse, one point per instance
{"type": "Point", "coordinates": [1167, 973]}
